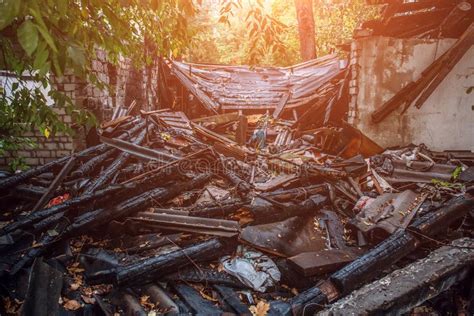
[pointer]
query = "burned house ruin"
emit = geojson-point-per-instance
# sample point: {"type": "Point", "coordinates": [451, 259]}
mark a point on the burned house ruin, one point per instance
{"type": "Point", "coordinates": [331, 187]}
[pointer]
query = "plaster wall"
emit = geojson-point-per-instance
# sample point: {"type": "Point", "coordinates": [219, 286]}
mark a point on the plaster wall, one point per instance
{"type": "Point", "coordinates": [381, 66]}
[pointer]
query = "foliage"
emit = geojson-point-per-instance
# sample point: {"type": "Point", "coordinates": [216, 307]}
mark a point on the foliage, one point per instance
{"type": "Point", "coordinates": [456, 173]}
{"type": "Point", "coordinates": [447, 185]}
{"type": "Point", "coordinates": [39, 37]}
{"type": "Point", "coordinates": [236, 32]}
{"type": "Point", "coordinates": [230, 42]}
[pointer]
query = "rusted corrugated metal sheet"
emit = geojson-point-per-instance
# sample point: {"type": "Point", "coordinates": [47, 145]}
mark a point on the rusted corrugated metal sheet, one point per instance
{"type": "Point", "coordinates": [220, 87]}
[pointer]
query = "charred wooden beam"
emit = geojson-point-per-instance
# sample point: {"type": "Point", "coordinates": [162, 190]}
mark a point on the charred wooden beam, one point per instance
{"type": "Point", "coordinates": [465, 43]}
{"type": "Point", "coordinates": [436, 222]}
{"type": "Point", "coordinates": [399, 244]}
{"type": "Point", "coordinates": [281, 104]}
{"type": "Point", "coordinates": [241, 133]}
{"type": "Point", "coordinates": [159, 266]}
{"type": "Point", "coordinates": [209, 104]}
{"type": "Point", "coordinates": [61, 208]}
{"type": "Point", "coordinates": [221, 143]}
{"type": "Point", "coordinates": [42, 245]}
{"type": "Point", "coordinates": [138, 151]}
{"type": "Point", "coordinates": [102, 216]}
{"type": "Point", "coordinates": [400, 291]}
{"type": "Point", "coordinates": [28, 192]}
{"type": "Point", "coordinates": [218, 209]}
{"type": "Point", "coordinates": [91, 164]}
{"type": "Point", "coordinates": [132, 305]}
{"type": "Point", "coordinates": [231, 298]}
{"type": "Point", "coordinates": [135, 204]}
{"type": "Point", "coordinates": [118, 163]}
{"type": "Point", "coordinates": [194, 300]}
{"type": "Point", "coordinates": [207, 276]}
{"type": "Point", "coordinates": [23, 176]}
{"type": "Point", "coordinates": [168, 168]}
{"type": "Point", "coordinates": [162, 299]}
{"type": "Point", "coordinates": [458, 13]}
{"type": "Point", "coordinates": [368, 266]}
{"type": "Point", "coordinates": [138, 244]}
{"type": "Point", "coordinates": [180, 223]}
{"type": "Point", "coordinates": [242, 186]}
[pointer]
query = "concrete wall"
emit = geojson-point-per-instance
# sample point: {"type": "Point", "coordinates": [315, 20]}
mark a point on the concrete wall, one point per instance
{"type": "Point", "coordinates": [381, 66]}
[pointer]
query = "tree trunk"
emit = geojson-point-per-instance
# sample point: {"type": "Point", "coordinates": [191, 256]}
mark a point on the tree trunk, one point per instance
{"type": "Point", "coordinates": [304, 14]}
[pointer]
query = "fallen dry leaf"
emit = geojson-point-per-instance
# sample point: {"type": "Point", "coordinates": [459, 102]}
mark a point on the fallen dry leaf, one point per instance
{"type": "Point", "coordinates": [72, 305]}
{"type": "Point", "coordinates": [75, 286]}
{"type": "Point", "coordinates": [261, 309]}
{"type": "Point", "coordinates": [88, 300]}
{"type": "Point", "coordinates": [76, 270]}
{"type": "Point", "coordinates": [36, 244]}
{"type": "Point", "coordinates": [207, 297]}
{"type": "Point", "coordinates": [12, 307]}
{"type": "Point", "coordinates": [145, 303]}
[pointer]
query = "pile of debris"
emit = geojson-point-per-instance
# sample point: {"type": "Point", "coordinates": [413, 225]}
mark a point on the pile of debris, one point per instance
{"type": "Point", "coordinates": [234, 214]}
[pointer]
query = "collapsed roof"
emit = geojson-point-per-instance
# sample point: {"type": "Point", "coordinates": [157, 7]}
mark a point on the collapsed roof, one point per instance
{"type": "Point", "coordinates": [229, 88]}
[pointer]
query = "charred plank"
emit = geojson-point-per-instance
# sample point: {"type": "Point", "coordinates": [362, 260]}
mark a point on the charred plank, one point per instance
{"type": "Point", "coordinates": [205, 275]}
{"type": "Point", "coordinates": [156, 267]}
{"type": "Point", "coordinates": [231, 298]}
{"type": "Point", "coordinates": [118, 163]}
{"type": "Point", "coordinates": [192, 298]}
{"type": "Point", "coordinates": [399, 292]}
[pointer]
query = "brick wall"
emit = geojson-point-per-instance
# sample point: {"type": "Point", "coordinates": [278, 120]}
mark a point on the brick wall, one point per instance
{"type": "Point", "coordinates": [46, 150]}
{"type": "Point", "coordinates": [353, 83]}
{"type": "Point", "coordinates": [125, 84]}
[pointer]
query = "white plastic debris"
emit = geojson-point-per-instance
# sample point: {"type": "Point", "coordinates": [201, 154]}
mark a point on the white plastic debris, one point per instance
{"type": "Point", "coordinates": [252, 268]}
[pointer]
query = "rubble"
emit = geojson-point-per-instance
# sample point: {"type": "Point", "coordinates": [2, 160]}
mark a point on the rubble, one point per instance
{"type": "Point", "coordinates": [139, 221]}
{"type": "Point", "coordinates": [250, 195]}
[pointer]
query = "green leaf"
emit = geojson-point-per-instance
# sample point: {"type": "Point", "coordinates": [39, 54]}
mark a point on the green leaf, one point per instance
{"type": "Point", "coordinates": [45, 69]}
{"type": "Point", "coordinates": [456, 172]}
{"type": "Point", "coordinates": [58, 71]}
{"type": "Point", "coordinates": [62, 6]}
{"type": "Point", "coordinates": [41, 55]}
{"type": "Point", "coordinates": [77, 55]}
{"type": "Point", "coordinates": [27, 35]}
{"type": "Point", "coordinates": [9, 9]}
{"type": "Point", "coordinates": [43, 29]}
